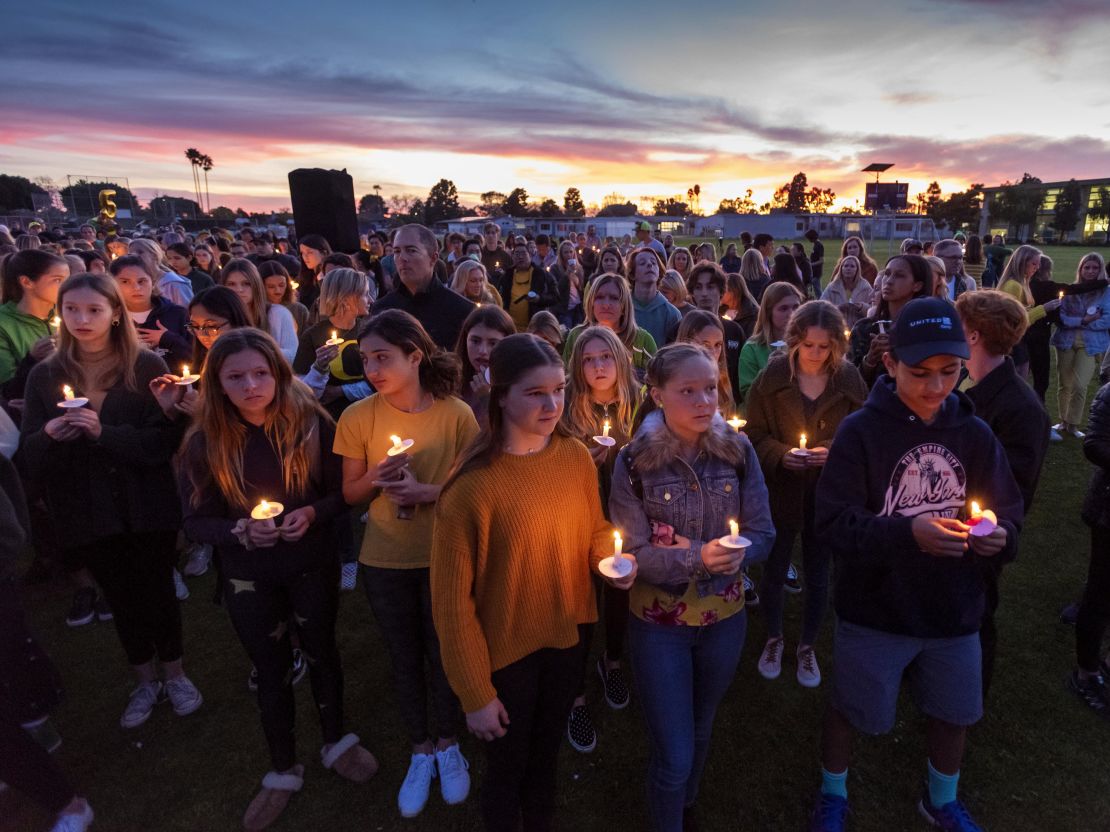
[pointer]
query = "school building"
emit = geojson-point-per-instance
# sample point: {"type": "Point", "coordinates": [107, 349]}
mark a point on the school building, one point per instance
{"type": "Point", "coordinates": [1089, 228]}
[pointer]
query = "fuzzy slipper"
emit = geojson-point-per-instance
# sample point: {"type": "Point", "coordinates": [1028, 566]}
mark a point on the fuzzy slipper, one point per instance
{"type": "Point", "coordinates": [350, 760]}
{"type": "Point", "coordinates": [269, 803]}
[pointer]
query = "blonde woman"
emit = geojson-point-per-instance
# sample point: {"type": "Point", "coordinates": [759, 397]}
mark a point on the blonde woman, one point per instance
{"type": "Point", "coordinates": [672, 286]}
{"type": "Point", "coordinates": [471, 281]}
{"type": "Point", "coordinates": [609, 303]}
{"type": "Point", "coordinates": [1080, 340]}
{"type": "Point", "coordinates": [848, 291]}
{"type": "Point", "coordinates": [171, 286]}
{"type": "Point", "coordinates": [681, 261]}
{"type": "Point", "coordinates": [753, 269]}
{"type": "Point", "coordinates": [1019, 269]}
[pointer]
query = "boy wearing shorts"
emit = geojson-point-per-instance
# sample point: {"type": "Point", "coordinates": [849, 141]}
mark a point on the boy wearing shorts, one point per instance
{"type": "Point", "coordinates": [894, 504]}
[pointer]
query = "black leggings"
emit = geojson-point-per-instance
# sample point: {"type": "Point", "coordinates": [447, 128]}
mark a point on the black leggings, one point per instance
{"type": "Point", "coordinates": [1094, 610]}
{"type": "Point", "coordinates": [261, 596]}
{"type": "Point", "coordinates": [27, 767]}
{"type": "Point", "coordinates": [401, 601]}
{"type": "Point", "coordinates": [135, 573]}
{"type": "Point", "coordinates": [520, 780]}
{"type": "Point", "coordinates": [614, 610]}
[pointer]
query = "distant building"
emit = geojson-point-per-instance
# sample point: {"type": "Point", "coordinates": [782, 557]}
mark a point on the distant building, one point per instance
{"type": "Point", "coordinates": [787, 226]}
{"type": "Point", "coordinates": [1088, 228]}
{"type": "Point", "coordinates": [563, 226]}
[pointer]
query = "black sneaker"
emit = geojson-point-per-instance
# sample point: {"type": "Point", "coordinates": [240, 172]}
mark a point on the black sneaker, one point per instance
{"type": "Point", "coordinates": [82, 610]}
{"type": "Point", "coordinates": [1069, 614]}
{"type": "Point", "coordinates": [300, 666]}
{"type": "Point", "coordinates": [1092, 691]}
{"type": "Point", "coordinates": [103, 611]}
{"type": "Point", "coordinates": [580, 729]}
{"type": "Point", "coordinates": [612, 682]}
{"type": "Point", "coordinates": [792, 584]}
{"type": "Point", "coordinates": [751, 597]}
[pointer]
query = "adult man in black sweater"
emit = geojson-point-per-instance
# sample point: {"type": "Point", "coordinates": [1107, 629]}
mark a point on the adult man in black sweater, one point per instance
{"type": "Point", "coordinates": [994, 323]}
{"type": "Point", "coordinates": [440, 311]}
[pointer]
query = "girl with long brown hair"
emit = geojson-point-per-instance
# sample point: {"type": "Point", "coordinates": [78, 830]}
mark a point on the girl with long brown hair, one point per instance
{"type": "Point", "coordinates": [519, 527]}
{"type": "Point", "coordinates": [105, 468]}
{"type": "Point", "coordinates": [241, 276]}
{"type": "Point", "coordinates": [415, 382]}
{"type": "Point", "coordinates": [483, 329]}
{"type": "Point", "coordinates": [601, 390]}
{"type": "Point", "coordinates": [260, 436]}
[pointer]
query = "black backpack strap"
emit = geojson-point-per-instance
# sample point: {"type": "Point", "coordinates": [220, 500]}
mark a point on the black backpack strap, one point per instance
{"type": "Point", "coordinates": [633, 474]}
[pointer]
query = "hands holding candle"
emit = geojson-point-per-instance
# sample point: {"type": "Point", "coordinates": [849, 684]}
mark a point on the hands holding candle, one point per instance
{"type": "Point", "coordinates": [335, 340]}
{"type": "Point", "coordinates": [620, 569]}
{"type": "Point", "coordinates": [263, 532]}
{"type": "Point", "coordinates": [186, 378]}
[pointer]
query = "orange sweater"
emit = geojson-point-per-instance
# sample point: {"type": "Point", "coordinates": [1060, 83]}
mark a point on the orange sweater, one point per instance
{"type": "Point", "coordinates": [512, 550]}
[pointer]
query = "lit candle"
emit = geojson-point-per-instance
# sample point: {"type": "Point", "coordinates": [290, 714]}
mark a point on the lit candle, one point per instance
{"type": "Point", "coordinates": [335, 340]}
{"type": "Point", "coordinates": [733, 528]}
{"type": "Point", "coordinates": [57, 322]}
{"type": "Point", "coordinates": [847, 335]}
{"type": "Point", "coordinates": [265, 512]}
{"type": "Point", "coordinates": [976, 512]}
{"type": "Point", "coordinates": [67, 391]}
{"type": "Point", "coordinates": [618, 545]}
{"type": "Point", "coordinates": [399, 445]}
{"type": "Point", "coordinates": [605, 431]}
{"type": "Point", "coordinates": [184, 370]}
{"type": "Point", "coordinates": [1061, 296]}
{"type": "Point", "coordinates": [69, 400]}
{"type": "Point", "coordinates": [802, 442]}
{"type": "Point", "coordinates": [186, 378]}
{"type": "Point", "coordinates": [295, 285]}
{"type": "Point", "coordinates": [736, 423]}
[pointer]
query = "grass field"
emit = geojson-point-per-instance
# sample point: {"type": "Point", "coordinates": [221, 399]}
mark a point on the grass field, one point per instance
{"type": "Point", "coordinates": [1035, 763]}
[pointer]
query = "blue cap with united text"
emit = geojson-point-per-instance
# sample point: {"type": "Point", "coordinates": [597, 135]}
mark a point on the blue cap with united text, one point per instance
{"type": "Point", "coordinates": [928, 327]}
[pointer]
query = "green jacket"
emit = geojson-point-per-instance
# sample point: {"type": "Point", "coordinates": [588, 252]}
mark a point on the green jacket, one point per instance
{"type": "Point", "coordinates": [18, 333]}
{"type": "Point", "coordinates": [753, 358]}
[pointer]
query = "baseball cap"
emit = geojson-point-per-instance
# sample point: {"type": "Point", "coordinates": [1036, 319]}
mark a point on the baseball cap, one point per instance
{"type": "Point", "coordinates": [927, 327]}
{"type": "Point", "coordinates": [644, 226]}
{"type": "Point", "coordinates": [910, 243]}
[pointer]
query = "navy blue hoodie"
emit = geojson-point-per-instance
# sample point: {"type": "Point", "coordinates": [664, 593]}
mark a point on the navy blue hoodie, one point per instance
{"type": "Point", "coordinates": [886, 467]}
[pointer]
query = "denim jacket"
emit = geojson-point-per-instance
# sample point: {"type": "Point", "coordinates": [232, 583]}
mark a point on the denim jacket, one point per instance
{"type": "Point", "coordinates": [1073, 308]}
{"type": "Point", "coordinates": [697, 499]}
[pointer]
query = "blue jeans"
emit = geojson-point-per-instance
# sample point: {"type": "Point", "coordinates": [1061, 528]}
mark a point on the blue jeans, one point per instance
{"type": "Point", "coordinates": [681, 674]}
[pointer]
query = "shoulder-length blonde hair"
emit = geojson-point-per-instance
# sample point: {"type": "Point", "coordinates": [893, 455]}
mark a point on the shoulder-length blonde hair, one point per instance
{"type": "Point", "coordinates": [122, 340]}
{"type": "Point", "coordinates": [698, 321]}
{"type": "Point", "coordinates": [578, 414]}
{"type": "Point", "coordinates": [258, 309]}
{"type": "Point", "coordinates": [462, 274]}
{"type": "Point", "coordinates": [1093, 255]}
{"type": "Point", "coordinates": [154, 258]}
{"type": "Point", "coordinates": [291, 423]}
{"type": "Point", "coordinates": [823, 315]}
{"type": "Point", "coordinates": [840, 265]}
{"type": "Point", "coordinates": [752, 266]}
{"type": "Point", "coordinates": [1015, 269]}
{"type": "Point", "coordinates": [773, 295]}
{"type": "Point", "coordinates": [674, 282]}
{"type": "Point", "coordinates": [671, 264]}
{"type": "Point", "coordinates": [337, 286]}
{"type": "Point", "coordinates": [626, 328]}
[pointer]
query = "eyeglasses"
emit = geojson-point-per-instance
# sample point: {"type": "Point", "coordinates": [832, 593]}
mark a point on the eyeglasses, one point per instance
{"type": "Point", "coordinates": [206, 330]}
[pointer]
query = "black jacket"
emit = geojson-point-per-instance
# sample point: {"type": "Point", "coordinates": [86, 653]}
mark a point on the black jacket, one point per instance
{"type": "Point", "coordinates": [176, 340]}
{"type": "Point", "coordinates": [122, 482]}
{"type": "Point", "coordinates": [543, 284]}
{"type": "Point", "coordinates": [1096, 447]}
{"type": "Point", "coordinates": [439, 310]}
{"type": "Point", "coordinates": [1018, 419]}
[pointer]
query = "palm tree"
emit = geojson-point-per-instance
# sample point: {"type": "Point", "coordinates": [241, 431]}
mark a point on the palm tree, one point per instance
{"type": "Point", "coordinates": [194, 156]}
{"type": "Point", "coordinates": [206, 165]}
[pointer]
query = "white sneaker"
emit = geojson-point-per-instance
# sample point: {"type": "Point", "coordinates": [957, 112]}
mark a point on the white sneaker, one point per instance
{"type": "Point", "coordinates": [78, 822]}
{"type": "Point", "coordinates": [414, 791]}
{"type": "Point", "coordinates": [350, 575]}
{"type": "Point", "coordinates": [809, 674]}
{"type": "Point", "coordinates": [454, 780]}
{"type": "Point", "coordinates": [198, 559]}
{"type": "Point", "coordinates": [184, 695]}
{"type": "Point", "coordinates": [179, 588]}
{"type": "Point", "coordinates": [770, 661]}
{"type": "Point", "coordinates": [142, 702]}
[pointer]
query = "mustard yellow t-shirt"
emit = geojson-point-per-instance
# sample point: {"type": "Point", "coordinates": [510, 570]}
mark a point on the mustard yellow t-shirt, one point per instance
{"type": "Point", "coordinates": [518, 302]}
{"type": "Point", "coordinates": [440, 434]}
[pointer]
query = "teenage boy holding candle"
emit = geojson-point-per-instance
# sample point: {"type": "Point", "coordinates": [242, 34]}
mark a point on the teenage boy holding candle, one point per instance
{"type": "Point", "coordinates": [909, 596]}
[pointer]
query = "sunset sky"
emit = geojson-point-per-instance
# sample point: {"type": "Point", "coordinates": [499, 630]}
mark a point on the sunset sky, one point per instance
{"type": "Point", "coordinates": [640, 99]}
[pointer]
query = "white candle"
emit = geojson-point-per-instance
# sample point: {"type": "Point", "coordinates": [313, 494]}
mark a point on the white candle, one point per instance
{"type": "Point", "coordinates": [67, 391]}
{"type": "Point", "coordinates": [399, 445]}
{"type": "Point", "coordinates": [265, 512]}
{"type": "Point", "coordinates": [733, 528]}
{"type": "Point", "coordinates": [618, 545]}
{"type": "Point", "coordinates": [605, 429]}
{"type": "Point", "coordinates": [57, 322]}
{"type": "Point", "coordinates": [736, 423]}
{"type": "Point", "coordinates": [802, 442]}
{"type": "Point", "coordinates": [976, 512]}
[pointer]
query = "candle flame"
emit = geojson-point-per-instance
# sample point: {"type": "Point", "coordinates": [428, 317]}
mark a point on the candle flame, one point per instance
{"type": "Point", "coordinates": [295, 285]}
{"type": "Point", "coordinates": [67, 391]}
{"type": "Point", "coordinates": [264, 506]}
{"type": "Point", "coordinates": [57, 322]}
{"type": "Point", "coordinates": [802, 442]}
{"type": "Point", "coordinates": [618, 544]}
{"type": "Point", "coordinates": [605, 428]}
{"type": "Point", "coordinates": [975, 511]}
{"type": "Point", "coordinates": [184, 370]}
{"type": "Point", "coordinates": [733, 528]}
{"type": "Point", "coordinates": [396, 440]}
{"type": "Point", "coordinates": [334, 335]}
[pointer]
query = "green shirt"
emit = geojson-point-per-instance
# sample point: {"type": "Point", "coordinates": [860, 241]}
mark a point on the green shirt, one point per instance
{"type": "Point", "coordinates": [753, 358]}
{"type": "Point", "coordinates": [18, 333]}
{"type": "Point", "coordinates": [643, 347]}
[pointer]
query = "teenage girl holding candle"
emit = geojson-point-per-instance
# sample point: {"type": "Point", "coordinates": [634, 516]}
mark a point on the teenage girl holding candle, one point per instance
{"type": "Point", "coordinates": [333, 370]}
{"type": "Point", "coordinates": [809, 390]}
{"type": "Point", "coordinates": [106, 470]}
{"type": "Point", "coordinates": [30, 291]}
{"type": "Point", "coordinates": [159, 324]}
{"type": "Point", "coordinates": [241, 276]}
{"type": "Point", "coordinates": [483, 329]}
{"type": "Point", "coordinates": [519, 527]}
{"type": "Point", "coordinates": [259, 434]}
{"type": "Point", "coordinates": [775, 308]}
{"type": "Point", "coordinates": [707, 331]}
{"type": "Point", "coordinates": [415, 382]}
{"type": "Point", "coordinates": [601, 389]}
{"type": "Point", "coordinates": [212, 313]}
{"type": "Point", "coordinates": [676, 486]}
{"type": "Point", "coordinates": [279, 290]}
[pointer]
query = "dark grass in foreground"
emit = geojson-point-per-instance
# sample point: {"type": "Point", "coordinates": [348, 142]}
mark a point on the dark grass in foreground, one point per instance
{"type": "Point", "coordinates": [1036, 762]}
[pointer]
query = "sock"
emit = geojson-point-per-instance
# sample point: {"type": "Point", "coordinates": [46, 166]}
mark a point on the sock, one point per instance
{"type": "Point", "coordinates": [942, 787]}
{"type": "Point", "coordinates": [835, 784]}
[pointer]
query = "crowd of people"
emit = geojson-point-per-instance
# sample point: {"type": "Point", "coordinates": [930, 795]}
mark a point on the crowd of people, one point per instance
{"type": "Point", "coordinates": [510, 443]}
